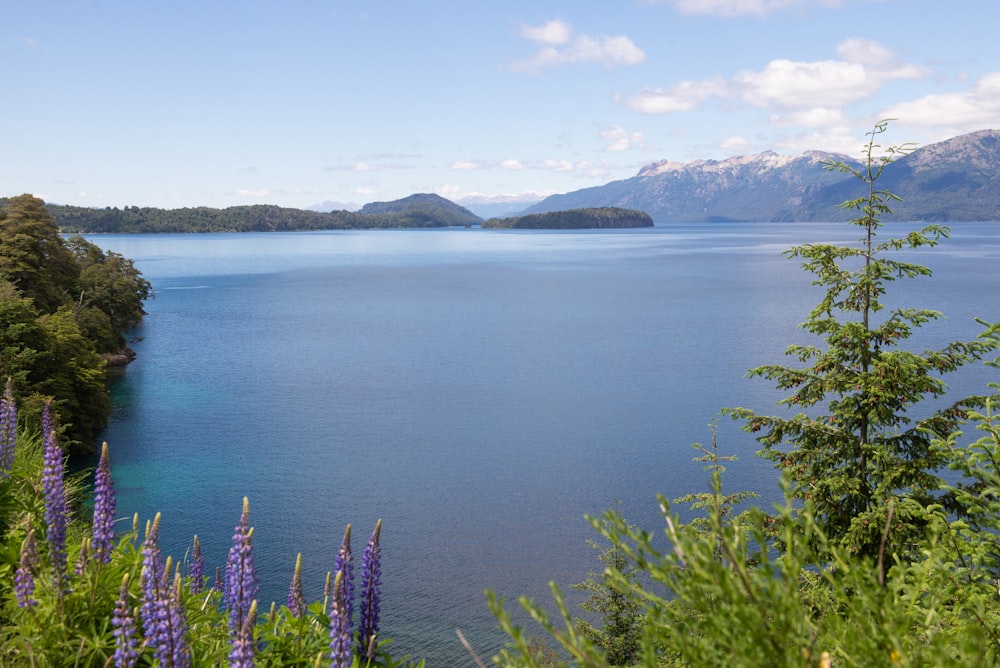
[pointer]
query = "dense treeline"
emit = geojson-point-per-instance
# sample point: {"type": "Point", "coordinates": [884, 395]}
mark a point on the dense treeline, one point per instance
{"type": "Point", "coordinates": [424, 211]}
{"type": "Point", "coordinates": [575, 219]}
{"type": "Point", "coordinates": [65, 305]}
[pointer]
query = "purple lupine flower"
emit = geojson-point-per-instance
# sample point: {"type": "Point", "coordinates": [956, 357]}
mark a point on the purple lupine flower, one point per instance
{"type": "Point", "coordinates": [55, 498]}
{"type": "Point", "coordinates": [104, 508]}
{"type": "Point", "coordinates": [8, 430]}
{"type": "Point", "coordinates": [344, 563]}
{"type": "Point", "coordinates": [296, 600]}
{"type": "Point", "coordinates": [196, 569]}
{"type": "Point", "coordinates": [154, 609]}
{"type": "Point", "coordinates": [180, 653]}
{"type": "Point", "coordinates": [241, 576]}
{"type": "Point", "coordinates": [340, 627]}
{"type": "Point", "coordinates": [371, 592]}
{"type": "Point", "coordinates": [243, 647]}
{"type": "Point", "coordinates": [162, 613]}
{"type": "Point", "coordinates": [24, 579]}
{"type": "Point", "coordinates": [123, 623]}
{"type": "Point", "coordinates": [219, 585]}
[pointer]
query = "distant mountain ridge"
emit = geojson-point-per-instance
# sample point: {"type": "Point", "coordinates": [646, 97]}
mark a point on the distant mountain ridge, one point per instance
{"type": "Point", "coordinates": [957, 179]}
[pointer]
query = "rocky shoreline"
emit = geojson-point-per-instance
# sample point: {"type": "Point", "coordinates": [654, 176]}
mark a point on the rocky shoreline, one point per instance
{"type": "Point", "coordinates": [119, 359]}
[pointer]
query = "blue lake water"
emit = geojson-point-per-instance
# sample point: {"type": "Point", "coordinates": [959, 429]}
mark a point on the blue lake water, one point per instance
{"type": "Point", "coordinates": [478, 390]}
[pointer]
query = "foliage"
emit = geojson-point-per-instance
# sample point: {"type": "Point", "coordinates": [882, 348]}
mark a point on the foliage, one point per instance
{"type": "Point", "coordinates": [575, 219]}
{"type": "Point", "coordinates": [872, 559]}
{"type": "Point", "coordinates": [860, 439]}
{"type": "Point", "coordinates": [64, 303]}
{"type": "Point", "coordinates": [86, 616]}
{"type": "Point", "coordinates": [414, 211]}
{"type": "Point", "coordinates": [618, 635]}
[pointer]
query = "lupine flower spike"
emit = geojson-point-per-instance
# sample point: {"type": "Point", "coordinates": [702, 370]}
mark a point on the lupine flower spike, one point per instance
{"type": "Point", "coordinates": [124, 632]}
{"type": "Point", "coordinates": [104, 508]}
{"type": "Point", "coordinates": [55, 498]}
{"type": "Point", "coordinates": [340, 627]}
{"type": "Point", "coordinates": [180, 653]}
{"type": "Point", "coordinates": [371, 591]}
{"type": "Point", "coordinates": [8, 430]}
{"type": "Point", "coordinates": [241, 576]}
{"type": "Point", "coordinates": [196, 569]}
{"type": "Point", "coordinates": [241, 655]}
{"type": "Point", "coordinates": [296, 599]}
{"type": "Point", "coordinates": [345, 564]}
{"type": "Point", "coordinates": [24, 579]}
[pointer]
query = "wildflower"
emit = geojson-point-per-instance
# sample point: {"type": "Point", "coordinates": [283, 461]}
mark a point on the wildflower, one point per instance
{"type": "Point", "coordinates": [241, 576]}
{"type": "Point", "coordinates": [241, 655]}
{"type": "Point", "coordinates": [345, 564]}
{"type": "Point", "coordinates": [8, 430]}
{"type": "Point", "coordinates": [152, 571]}
{"type": "Point", "coordinates": [104, 508]}
{"type": "Point", "coordinates": [162, 621]}
{"type": "Point", "coordinates": [55, 497]}
{"type": "Point", "coordinates": [124, 632]}
{"type": "Point", "coordinates": [340, 626]}
{"type": "Point", "coordinates": [371, 591]}
{"type": "Point", "coordinates": [196, 569]}
{"type": "Point", "coordinates": [24, 579]}
{"type": "Point", "coordinates": [180, 653]}
{"type": "Point", "coordinates": [296, 600]}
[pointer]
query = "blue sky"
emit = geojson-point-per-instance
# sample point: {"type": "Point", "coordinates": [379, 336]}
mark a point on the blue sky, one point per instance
{"type": "Point", "coordinates": [218, 103]}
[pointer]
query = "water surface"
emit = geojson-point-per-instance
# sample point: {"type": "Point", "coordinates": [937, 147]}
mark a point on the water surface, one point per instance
{"type": "Point", "coordinates": [480, 391]}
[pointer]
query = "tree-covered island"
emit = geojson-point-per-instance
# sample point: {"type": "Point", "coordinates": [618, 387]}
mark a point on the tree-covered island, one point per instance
{"type": "Point", "coordinates": [600, 218]}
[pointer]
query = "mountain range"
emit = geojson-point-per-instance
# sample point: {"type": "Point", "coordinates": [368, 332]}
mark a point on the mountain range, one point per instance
{"type": "Point", "coordinates": [956, 179]}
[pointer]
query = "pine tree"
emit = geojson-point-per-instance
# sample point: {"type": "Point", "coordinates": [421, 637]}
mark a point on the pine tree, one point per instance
{"type": "Point", "coordinates": [861, 448]}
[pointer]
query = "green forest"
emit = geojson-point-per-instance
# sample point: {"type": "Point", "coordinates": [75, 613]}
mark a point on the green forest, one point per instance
{"type": "Point", "coordinates": [885, 551]}
{"type": "Point", "coordinates": [416, 211]}
{"type": "Point", "coordinates": [65, 306]}
{"type": "Point", "coordinates": [575, 219]}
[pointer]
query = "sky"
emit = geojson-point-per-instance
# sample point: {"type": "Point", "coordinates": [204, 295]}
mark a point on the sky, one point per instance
{"type": "Point", "coordinates": [218, 103]}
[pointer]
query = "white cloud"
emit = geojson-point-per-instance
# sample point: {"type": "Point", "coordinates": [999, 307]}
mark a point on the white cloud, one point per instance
{"type": "Point", "coordinates": [786, 83]}
{"type": "Point", "coordinates": [553, 32]}
{"type": "Point", "coordinates": [620, 139]}
{"type": "Point", "coordinates": [819, 117]}
{"type": "Point", "coordinates": [972, 109]}
{"type": "Point", "coordinates": [734, 8]}
{"type": "Point", "coordinates": [685, 96]}
{"type": "Point", "coordinates": [466, 165]}
{"type": "Point", "coordinates": [252, 193]}
{"type": "Point", "coordinates": [362, 167]}
{"type": "Point", "coordinates": [865, 67]}
{"type": "Point", "coordinates": [562, 47]}
{"type": "Point", "coordinates": [735, 144]}
{"type": "Point", "coordinates": [512, 164]}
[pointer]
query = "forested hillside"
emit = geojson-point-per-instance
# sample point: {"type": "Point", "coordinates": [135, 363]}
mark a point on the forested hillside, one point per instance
{"type": "Point", "coordinates": [65, 305]}
{"type": "Point", "coordinates": [414, 211]}
{"type": "Point", "coordinates": [575, 219]}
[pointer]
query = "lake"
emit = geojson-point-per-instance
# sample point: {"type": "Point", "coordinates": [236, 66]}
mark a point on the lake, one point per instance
{"type": "Point", "coordinates": [478, 390]}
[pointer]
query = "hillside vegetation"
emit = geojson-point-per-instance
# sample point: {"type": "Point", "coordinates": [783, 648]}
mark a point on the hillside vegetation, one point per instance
{"type": "Point", "coordinates": [65, 306]}
{"type": "Point", "coordinates": [575, 219]}
{"type": "Point", "coordinates": [414, 211]}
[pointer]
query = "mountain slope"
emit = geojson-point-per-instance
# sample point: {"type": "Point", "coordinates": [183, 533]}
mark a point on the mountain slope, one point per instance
{"type": "Point", "coordinates": [423, 210]}
{"type": "Point", "coordinates": [958, 179]}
